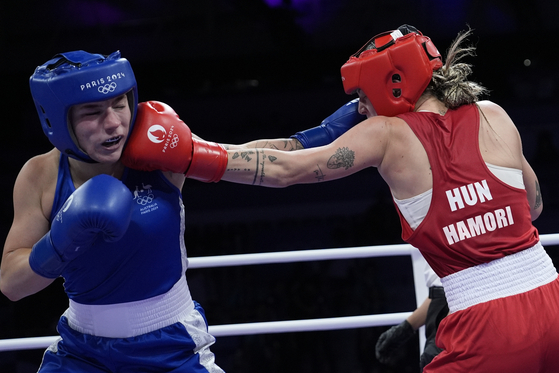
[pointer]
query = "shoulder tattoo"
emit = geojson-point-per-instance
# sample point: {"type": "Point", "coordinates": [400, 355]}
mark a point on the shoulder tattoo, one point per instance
{"type": "Point", "coordinates": [538, 201]}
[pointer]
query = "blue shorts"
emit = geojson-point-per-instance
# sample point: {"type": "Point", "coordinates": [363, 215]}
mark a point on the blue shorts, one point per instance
{"type": "Point", "coordinates": [181, 347]}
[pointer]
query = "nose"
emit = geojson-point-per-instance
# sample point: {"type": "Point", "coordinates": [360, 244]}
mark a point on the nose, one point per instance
{"type": "Point", "coordinates": [112, 120]}
{"type": "Point", "coordinates": [361, 109]}
{"type": "Point", "coordinates": [366, 108]}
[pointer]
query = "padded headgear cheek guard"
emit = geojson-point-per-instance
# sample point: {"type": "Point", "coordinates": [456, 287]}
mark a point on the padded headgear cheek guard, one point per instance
{"type": "Point", "coordinates": [74, 78]}
{"type": "Point", "coordinates": [394, 73]}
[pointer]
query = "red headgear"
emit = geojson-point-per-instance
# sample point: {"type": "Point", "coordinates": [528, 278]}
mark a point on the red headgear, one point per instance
{"type": "Point", "coordinates": [395, 72]}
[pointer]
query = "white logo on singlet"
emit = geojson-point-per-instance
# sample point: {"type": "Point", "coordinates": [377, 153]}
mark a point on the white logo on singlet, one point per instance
{"type": "Point", "coordinates": [144, 197]}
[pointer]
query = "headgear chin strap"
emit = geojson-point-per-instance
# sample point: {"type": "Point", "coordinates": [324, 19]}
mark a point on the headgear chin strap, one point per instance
{"type": "Point", "coordinates": [73, 78]}
{"type": "Point", "coordinates": [392, 69]}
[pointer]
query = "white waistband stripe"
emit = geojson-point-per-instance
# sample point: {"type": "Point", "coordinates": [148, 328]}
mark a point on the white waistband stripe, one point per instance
{"type": "Point", "coordinates": [125, 320]}
{"type": "Point", "coordinates": [510, 275]}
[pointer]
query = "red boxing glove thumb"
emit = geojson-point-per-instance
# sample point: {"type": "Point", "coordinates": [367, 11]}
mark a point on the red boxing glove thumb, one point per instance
{"type": "Point", "coordinates": [160, 140]}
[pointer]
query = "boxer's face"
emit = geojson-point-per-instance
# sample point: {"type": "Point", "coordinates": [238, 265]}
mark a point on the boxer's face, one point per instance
{"type": "Point", "coordinates": [365, 107]}
{"type": "Point", "coordinates": [101, 128]}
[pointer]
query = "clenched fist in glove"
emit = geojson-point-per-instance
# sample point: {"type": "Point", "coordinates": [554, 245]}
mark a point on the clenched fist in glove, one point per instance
{"type": "Point", "coordinates": [162, 141]}
{"type": "Point", "coordinates": [100, 208]}
{"type": "Point", "coordinates": [390, 348]}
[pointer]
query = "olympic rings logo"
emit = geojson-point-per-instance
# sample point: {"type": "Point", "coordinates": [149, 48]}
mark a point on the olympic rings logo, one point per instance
{"type": "Point", "coordinates": [107, 88]}
{"type": "Point", "coordinates": [144, 200]}
{"type": "Point", "coordinates": [174, 141]}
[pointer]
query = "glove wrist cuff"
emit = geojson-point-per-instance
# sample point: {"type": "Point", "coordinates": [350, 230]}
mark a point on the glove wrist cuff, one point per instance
{"type": "Point", "coordinates": [209, 161]}
{"type": "Point", "coordinates": [407, 329]}
{"type": "Point", "coordinates": [313, 137]}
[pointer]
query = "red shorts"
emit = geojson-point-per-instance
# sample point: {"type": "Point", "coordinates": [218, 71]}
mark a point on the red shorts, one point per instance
{"type": "Point", "coordinates": [519, 333]}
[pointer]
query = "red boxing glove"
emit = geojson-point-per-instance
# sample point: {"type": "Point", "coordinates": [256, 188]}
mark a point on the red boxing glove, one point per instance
{"type": "Point", "coordinates": [209, 161]}
{"type": "Point", "coordinates": [162, 141]}
{"type": "Point", "coordinates": [159, 140]}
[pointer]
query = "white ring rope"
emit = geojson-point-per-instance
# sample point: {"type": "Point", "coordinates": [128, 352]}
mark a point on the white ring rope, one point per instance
{"type": "Point", "coordinates": [300, 256]}
{"type": "Point", "coordinates": [283, 326]}
{"type": "Point", "coordinates": [350, 322]}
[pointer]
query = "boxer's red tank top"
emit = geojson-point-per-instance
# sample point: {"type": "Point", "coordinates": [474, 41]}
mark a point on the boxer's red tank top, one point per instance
{"type": "Point", "coordinates": [474, 217]}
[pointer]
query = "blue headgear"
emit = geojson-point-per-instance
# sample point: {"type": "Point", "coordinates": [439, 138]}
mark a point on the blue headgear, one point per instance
{"type": "Point", "coordinates": [75, 78]}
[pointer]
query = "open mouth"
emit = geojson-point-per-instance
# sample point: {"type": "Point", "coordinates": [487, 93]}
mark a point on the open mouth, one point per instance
{"type": "Point", "coordinates": [112, 141]}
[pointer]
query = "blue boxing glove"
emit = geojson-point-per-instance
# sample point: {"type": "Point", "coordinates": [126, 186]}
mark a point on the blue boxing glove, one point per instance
{"type": "Point", "coordinates": [332, 127]}
{"type": "Point", "coordinates": [102, 206]}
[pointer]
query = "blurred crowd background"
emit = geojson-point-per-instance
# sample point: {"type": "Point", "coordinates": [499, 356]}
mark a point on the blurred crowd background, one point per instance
{"type": "Point", "coordinates": [238, 70]}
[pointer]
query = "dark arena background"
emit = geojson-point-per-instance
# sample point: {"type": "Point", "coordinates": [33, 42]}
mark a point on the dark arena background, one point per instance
{"type": "Point", "coordinates": [239, 70]}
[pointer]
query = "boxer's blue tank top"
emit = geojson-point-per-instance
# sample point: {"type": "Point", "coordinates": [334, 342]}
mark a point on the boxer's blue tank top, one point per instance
{"type": "Point", "coordinates": [147, 261]}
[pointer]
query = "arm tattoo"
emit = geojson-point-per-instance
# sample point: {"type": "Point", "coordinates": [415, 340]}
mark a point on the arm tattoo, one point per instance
{"type": "Point", "coordinates": [261, 164]}
{"type": "Point", "coordinates": [538, 202]}
{"type": "Point", "coordinates": [288, 145]}
{"type": "Point", "coordinates": [319, 175]}
{"type": "Point", "coordinates": [342, 158]}
{"type": "Point", "coordinates": [246, 155]}
{"type": "Point", "coordinates": [270, 145]}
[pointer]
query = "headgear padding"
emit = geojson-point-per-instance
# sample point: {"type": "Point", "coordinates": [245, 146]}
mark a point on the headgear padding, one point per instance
{"type": "Point", "coordinates": [395, 71]}
{"type": "Point", "coordinates": [75, 78]}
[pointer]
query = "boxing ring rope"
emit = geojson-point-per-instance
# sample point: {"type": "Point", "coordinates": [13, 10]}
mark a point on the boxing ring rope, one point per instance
{"type": "Point", "coordinates": [334, 323]}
